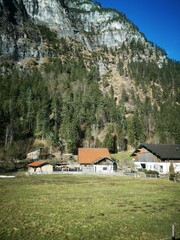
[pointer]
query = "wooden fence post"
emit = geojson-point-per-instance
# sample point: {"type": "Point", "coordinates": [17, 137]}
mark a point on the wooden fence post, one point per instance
{"type": "Point", "coordinates": [173, 233]}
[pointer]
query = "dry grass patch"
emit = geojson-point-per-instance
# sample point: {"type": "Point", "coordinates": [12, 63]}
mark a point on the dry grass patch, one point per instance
{"type": "Point", "coordinates": [88, 207]}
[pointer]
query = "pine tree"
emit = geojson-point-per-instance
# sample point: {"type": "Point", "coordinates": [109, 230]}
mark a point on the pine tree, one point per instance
{"type": "Point", "coordinates": [110, 141]}
{"type": "Point", "coordinates": [171, 172]}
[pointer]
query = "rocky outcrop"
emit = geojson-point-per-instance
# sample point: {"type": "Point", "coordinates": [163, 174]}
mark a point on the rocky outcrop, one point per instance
{"type": "Point", "coordinates": [19, 37]}
{"type": "Point", "coordinates": [52, 13]}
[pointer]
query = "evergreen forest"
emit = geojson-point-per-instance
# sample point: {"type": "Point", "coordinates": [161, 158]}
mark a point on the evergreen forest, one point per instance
{"type": "Point", "coordinates": [61, 102]}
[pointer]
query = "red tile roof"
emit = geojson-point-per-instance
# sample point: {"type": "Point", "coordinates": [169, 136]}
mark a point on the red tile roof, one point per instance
{"type": "Point", "coordinates": [89, 155]}
{"type": "Point", "coordinates": [36, 164]}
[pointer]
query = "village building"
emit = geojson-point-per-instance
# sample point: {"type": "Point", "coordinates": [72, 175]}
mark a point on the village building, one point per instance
{"type": "Point", "coordinates": [96, 160]}
{"type": "Point", "coordinates": [40, 167]}
{"type": "Point", "coordinates": [157, 157]}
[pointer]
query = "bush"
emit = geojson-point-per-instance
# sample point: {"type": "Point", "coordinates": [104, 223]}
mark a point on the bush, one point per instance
{"type": "Point", "coordinates": [151, 172]}
{"type": "Point", "coordinates": [172, 177]}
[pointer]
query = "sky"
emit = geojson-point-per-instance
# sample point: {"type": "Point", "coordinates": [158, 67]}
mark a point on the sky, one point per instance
{"type": "Point", "coordinates": [159, 20]}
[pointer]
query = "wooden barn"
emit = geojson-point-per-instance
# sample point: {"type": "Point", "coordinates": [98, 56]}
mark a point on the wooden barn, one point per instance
{"type": "Point", "coordinates": [96, 160]}
{"type": "Point", "coordinates": [157, 157]}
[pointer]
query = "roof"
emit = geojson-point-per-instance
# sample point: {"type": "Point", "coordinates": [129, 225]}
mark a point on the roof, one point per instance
{"type": "Point", "coordinates": [90, 155]}
{"type": "Point", "coordinates": [162, 151]}
{"type": "Point", "coordinates": [37, 164]}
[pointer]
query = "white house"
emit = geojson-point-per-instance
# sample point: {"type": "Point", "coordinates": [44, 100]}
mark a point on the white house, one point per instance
{"type": "Point", "coordinates": [157, 157]}
{"type": "Point", "coordinates": [96, 160]}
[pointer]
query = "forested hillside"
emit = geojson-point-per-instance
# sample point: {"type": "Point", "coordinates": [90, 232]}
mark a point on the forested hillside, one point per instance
{"type": "Point", "coordinates": [71, 96]}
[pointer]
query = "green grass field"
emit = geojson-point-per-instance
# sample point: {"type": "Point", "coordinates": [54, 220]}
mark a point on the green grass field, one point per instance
{"type": "Point", "coordinates": [88, 207]}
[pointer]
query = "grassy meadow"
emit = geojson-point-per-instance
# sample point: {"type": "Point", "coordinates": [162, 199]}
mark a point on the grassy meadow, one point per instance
{"type": "Point", "coordinates": [88, 207]}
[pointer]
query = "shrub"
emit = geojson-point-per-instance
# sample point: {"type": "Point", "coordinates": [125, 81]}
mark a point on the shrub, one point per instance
{"type": "Point", "coordinates": [171, 172]}
{"type": "Point", "coordinates": [151, 172]}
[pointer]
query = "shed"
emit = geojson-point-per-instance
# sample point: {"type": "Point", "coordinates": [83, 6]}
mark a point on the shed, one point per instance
{"type": "Point", "coordinates": [157, 157]}
{"type": "Point", "coordinates": [40, 167]}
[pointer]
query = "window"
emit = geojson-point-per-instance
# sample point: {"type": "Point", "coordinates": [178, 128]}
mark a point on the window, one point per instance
{"type": "Point", "coordinates": [143, 165]}
{"type": "Point", "coordinates": [104, 168]}
{"type": "Point", "coordinates": [160, 168]}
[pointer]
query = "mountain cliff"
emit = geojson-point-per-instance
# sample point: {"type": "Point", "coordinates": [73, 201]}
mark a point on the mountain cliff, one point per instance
{"type": "Point", "coordinates": [84, 21]}
{"type": "Point", "coordinates": [95, 28]}
{"type": "Point", "coordinates": [94, 51]}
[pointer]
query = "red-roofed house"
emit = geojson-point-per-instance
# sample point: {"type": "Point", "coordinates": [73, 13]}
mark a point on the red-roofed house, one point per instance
{"type": "Point", "coordinates": [39, 167]}
{"type": "Point", "coordinates": [96, 160]}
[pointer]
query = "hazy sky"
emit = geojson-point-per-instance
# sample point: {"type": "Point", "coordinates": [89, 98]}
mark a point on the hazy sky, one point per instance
{"type": "Point", "coordinates": [159, 20]}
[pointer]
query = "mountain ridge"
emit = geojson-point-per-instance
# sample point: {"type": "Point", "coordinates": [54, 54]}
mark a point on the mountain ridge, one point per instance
{"type": "Point", "coordinates": [92, 58]}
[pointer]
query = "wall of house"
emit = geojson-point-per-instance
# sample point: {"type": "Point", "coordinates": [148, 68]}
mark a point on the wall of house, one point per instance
{"type": "Point", "coordinates": [86, 168]}
{"type": "Point", "coordinates": [145, 156]}
{"type": "Point", "coordinates": [102, 168]}
{"type": "Point", "coordinates": [98, 168]}
{"type": "Point", "coordinates": [46, 169]}
{"type": "Point", "coordinates": [161, 167]}
{"type": "Point", "coordinates": [177, 167]}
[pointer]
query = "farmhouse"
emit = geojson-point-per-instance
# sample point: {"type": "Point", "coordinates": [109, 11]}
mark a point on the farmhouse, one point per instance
{"type": "Point", "coordinates": [157, 157]}
{"type": "Point", "coordinates": [39, 167]}
{"type": "Point", "coordinates": [96, 160]}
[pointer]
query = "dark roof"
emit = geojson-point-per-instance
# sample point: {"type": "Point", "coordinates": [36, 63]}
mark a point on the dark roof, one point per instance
{"type": "Point", "coordinates": [103, 158]}
{"type": "Point", "coordinates": [162, 151]}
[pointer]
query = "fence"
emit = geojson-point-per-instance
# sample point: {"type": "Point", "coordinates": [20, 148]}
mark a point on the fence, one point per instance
{"type": "Point", "coordinates": [88, 170]}
{"type": "Point", "coordinates": [136, 175]}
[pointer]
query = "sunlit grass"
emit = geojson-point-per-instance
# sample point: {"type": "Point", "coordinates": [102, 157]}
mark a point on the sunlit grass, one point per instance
{"type": "Point", "coordinates": [88, 207]}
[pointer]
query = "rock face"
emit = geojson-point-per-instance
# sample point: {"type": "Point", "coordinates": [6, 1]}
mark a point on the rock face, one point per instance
{"type": "Point", "coordinates": [82, 20]}
{"type": "Point", "coordinates": [33, 29]}
{"type": "Point", "coordinates": [18, 36]}
{"type": "Point", "coordinates": [52, 13]}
